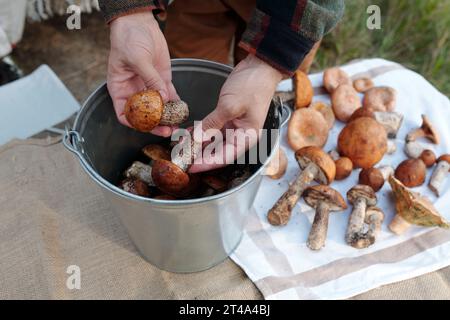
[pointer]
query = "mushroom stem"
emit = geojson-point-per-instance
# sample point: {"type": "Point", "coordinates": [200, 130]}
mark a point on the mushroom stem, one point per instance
{"type": "Point", "coordinates": [386, 171]}
{"type": "Point", "coordinates": [188, 151]}
{"type": "Point", "coordinates": [141, 171]}
{"type": "Point", "coordinates": [374, 218]}
{"type": "Point", "coordinates": [391, 121]}
{"type": "Point", "coordinates": [282, 209]}
{"type": "Point", "coordinates": [415, 134]}
{"type": "Point", "coordinates": [319, 229]}
{"type": "Point", "coordinates": [414, 149]}
{"type": "Point", "coordinates": [356, 222]}
{"type": "Point", "coordinates": [334, 154]}
{"type": "Point", "coordinates": [399, 225]}
{"type": "Point", "coordinates": [174, 112]}
{"type": "Point", "coordinates": [438, 177]}
{"type": "Point", "coordinates": [391, 147]}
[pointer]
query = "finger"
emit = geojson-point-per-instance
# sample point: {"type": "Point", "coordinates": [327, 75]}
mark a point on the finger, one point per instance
{"type": "Point", "coordinates": [173, 95]}
{"type": "Point", "coordinates": [151, 78]}
{"type": "Point", "coordinates": [163, 131]}
{"type": "Point", "coordinates": [119, 106]}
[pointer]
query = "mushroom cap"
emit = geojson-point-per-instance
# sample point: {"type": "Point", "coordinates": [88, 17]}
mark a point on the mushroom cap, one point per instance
{"type": "Point", "coordinates": [345, 101]}
{"type": "Point", "coordinates": [326, 111]}
{"type": "Point", "coordinates": [428, 157]}
{"type": "Point", "coordinates": [135, 186]}
{"type": "Point", "coordinates": [322, 160]}
{"type": "Point", "coordinates": [344, 167]}
{"type": "Point", "coordinates": [334, 77]}
{"type": "Point", "coordinates": [169, 178]}
{"type": "Point", "coordinates": [429, 129]}
{"type": "Point", "coordinates": [362, 191]}
{"type": "Point", "coordinates": [444, 157]}
{"type": "Point", "coordinates": [415, 208]}
{"type": "Point", "coordinates": [156, 152]}
{"type": "Point", "coordinates": [370, 211]}
{"type": "Point", "coordinates": [303, 88]}
{"type": "Point", "coordinates": [371, 177]}
{"type": "Point", "coordinates": [278, 165]}
{"type": "Point", "coordinates": [411, 172]}
{"type": "Point", "coordinates": [380, 99]}
{"type": "Point", "coordinates": [307, 127]}
{"type": "Point", "coordinates": [363, 84]}
{"type": "Point", "coordinates": [362, 112]}
{"type": "Point", "coordinates": [364, 141]}
{"type": "Point", "coordinates": [174, 113]}
{"type": "Point", "coordinates": [320, 193]}
{"type": "Point", "coordinates": [214, 182]}
{"type": "Point", "coordinates": [143, 110]}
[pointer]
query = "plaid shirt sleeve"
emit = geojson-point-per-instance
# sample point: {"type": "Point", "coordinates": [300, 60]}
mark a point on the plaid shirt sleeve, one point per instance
{"type": "Point", "coordinates": [282, 35]}
{"type": "Point", "coordinates": [112, 9]}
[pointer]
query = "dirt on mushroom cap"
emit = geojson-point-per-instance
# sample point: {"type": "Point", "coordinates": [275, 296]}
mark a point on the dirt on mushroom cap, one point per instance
{"type": "Point", "coordinates": [307, 127]}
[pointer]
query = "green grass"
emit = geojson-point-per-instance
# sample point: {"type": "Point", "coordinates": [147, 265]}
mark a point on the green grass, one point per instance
{"type": "Point", "coordinates": [415, 33]}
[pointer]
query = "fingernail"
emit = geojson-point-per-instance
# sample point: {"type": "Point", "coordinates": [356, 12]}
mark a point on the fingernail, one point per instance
{"type": "Point", "coordinates": [164, 95]}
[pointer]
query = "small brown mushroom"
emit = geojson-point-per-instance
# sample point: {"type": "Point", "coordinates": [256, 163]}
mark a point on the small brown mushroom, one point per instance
{"type": "Point", "coordinates": [344, 167]}
{"type": "Point", "coordinates": [374, 219]}
{"type": "Point", "coordinates": [326, 111]}
{"type": "Point", "coordinates": [278, 165]}
{"type": "Point", "coordinates": [363, 84]}
{"type": "Point", "coordinates": [307, 127]}
{"type": "Point", "coordinates": [145, 110]}
{"type": "Point", "coordinates": [412, 208]}
{"type": "Point", "coordinates": [135, 186]}
{"type": "Point", "coordinates": [316, 165]}
{"type": "Point", "coordinates": [428, 157]}
{"type": "Point", "coordinates": [380, 99]}
{"type": "Point", "coordinates": [364, 141]}
{"type": "Point", "coordinates": [426, 130]}
{"type": "Point", "coordinates": [325, 200]}
{"type": "Point", "coordinates": [440, 174]}
{"type": "Point", "coordinates": [156, 152]}
{"type": "Point", "coordinates": [334, 77]}
{"type": "Point", "coordinates": [217, 184]}
{"type": "Point", "coordinates": [140, 171]}
{"type": "Point", "coordinates": [375, 177]}
{"type": "Point", "coordinates": [361, 197]}
{"type": "Point", "coordinates": [411, 172]}
{"type": "Point", "coordinates": [345, 101]}
{"type": "Point", "coordinates": [303, 89]}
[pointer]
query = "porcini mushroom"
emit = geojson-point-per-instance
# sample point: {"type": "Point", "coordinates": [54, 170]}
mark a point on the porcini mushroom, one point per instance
{"type": "Point", "coordinates": [145, 110]}
{"type": "Point", "coordinates": [325, 200]}
{"type": "Point", "coordinates": [135, 186]}
{"type": "Point", "coordinates": [375, 177]}
{"type": "Point", "coordinates": [307, 127]}
{"type": "Point", "coordinates": [344, 167]}
{"type": "Point", "coordinates": [334, 77]}
{"type": "Point", "coordinates": [326, 111]}
{"type": "Point", "coordinates": [411, 172]}
{"type": "Point", "coordinates": [363, 84]}
{"type": "Point", "coordinates": [278, 165]}
{"type": "Point", "coordinates": [345, 101]}
{"type": "Point", "coordinates": [364, 141]}
{"type": "Point", "coordinates": [140, 171]}
{"type": "Point", "coordinates": [426, 130]}
{"type": "Point", "coordinates": [361, 197]}
{"type": "Point", "coordinates": [412, 208]}
{"type": "Point", "coordinates": [303, 89]}
{"type": "Point", "coordinates": [428, 157]}
{"type": "Point", "coordinates": [440, 174]}
{"type": "Point", "coordinates": [374, 219]}
{"type": "Point", "coordinates": [316, 165]}
{"type": "Point", "coordinates": [380, 99]}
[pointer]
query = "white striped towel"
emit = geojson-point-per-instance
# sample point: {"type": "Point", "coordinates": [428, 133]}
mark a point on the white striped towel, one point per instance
{"type": "Point", "coordinates": [276, 258]}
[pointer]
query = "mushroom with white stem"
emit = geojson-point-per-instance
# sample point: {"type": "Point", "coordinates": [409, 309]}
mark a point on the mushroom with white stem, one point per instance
{"type": "Point", "coordinates": [412, 208]}
{"type": "Point", "coordinates": [361, 197]}
{"type": "Point", "coordinates": [375, 177]}
{"type": "Point", "coordinates": [325, 200]}
{"type": "Point", "coordinates": [140, 171]}
{"type": "Point", "coordinates": [316, 165]}
{"type": "Point", "coordinates": [426, 130]}
{"type": "Point", "coordinates": [391, 147]}
{"type": "Point", "coordinates": [440, 174]}
{"type": "Point", "coordinates": [374, 219]}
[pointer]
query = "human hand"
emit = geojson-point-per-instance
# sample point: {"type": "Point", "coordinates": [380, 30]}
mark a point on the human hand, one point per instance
{"type": "Point", "coordinates": [139, 59]}
{"type": "Point", "coordinates": [243, 105]}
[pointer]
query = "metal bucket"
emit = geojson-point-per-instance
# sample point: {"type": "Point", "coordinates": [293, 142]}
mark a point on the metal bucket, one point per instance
{"type": "Point", "coordinates": [178, 236]}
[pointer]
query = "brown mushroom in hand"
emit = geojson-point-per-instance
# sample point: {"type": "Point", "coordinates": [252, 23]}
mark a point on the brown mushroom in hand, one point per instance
{"type": "Point", "coordinates": [345, 102]}
{"type": "Point", "coordinates": [303, 89]}
{"type": "Point", "coordinates": [325, 200]}
{"type": "Point", "coordinates": [145, 110]}
{"type": "Point", "coordinates": [440, 174]}
{"type": "Point", "coordinates": [278, 165]}
{"type": "Point", "coordinates": [374, 219]}
{"type": "Point", "coordinates": [140, 171]}
{"type": "Point", "coordinates": [326, 111]}
{"type": "Point", "coordinates": [426, 130]}
{"type": "Point", "coordinates": [375, 177]}
{"type": "Point", "coordinates": [411, 172]}
{"type": "Point", "coordinates": [316, 165]}
{"type": "Point", "coordinates": [380, 99]}
{"type": "Point", "coordinates": [334, 77]}
{"type": "Point", "coordinates": [412, 208]}
{"type": "Point", "coordinates": [156, 152]}
{"type": "Point", "coordinates": [307, 127]}
{"type": "Point", "coordinates": [364, 141]}
{"type": "Point", "coordinates": [361, 197]}
{"type": "Point", "coordinates": [135, 186]}
{"type": "Point", "coordinates": [363, 84]}
{"type": "Point", "coordinates": [344, 168]}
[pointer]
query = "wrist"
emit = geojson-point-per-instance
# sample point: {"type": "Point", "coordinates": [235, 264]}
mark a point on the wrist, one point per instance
{"type": "Point", "coordinates": [255, 62]}
{"type": "Point", "coordinates": [144, 17]}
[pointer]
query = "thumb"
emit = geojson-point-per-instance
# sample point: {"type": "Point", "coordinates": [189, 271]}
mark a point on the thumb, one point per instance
{"type": "Point", "coordinates": [152, 79]}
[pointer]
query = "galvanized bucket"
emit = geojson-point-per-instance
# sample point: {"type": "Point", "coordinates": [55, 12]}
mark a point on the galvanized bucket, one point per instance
{"type": "Point", "coordinates": [177, 236]}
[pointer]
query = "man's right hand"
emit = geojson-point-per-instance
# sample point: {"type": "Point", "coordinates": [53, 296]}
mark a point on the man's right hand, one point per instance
{"type": "Point", "coordinates": [139, 59]}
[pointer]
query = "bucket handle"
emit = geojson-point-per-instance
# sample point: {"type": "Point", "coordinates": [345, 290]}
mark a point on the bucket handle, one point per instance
{"type": "Point", "coordinates": [284, 111]}
{"type": "Point", "coordinates": [71, 141]}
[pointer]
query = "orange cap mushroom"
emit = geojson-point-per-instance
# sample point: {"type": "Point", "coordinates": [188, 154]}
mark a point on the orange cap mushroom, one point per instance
{"type": "Point", "coordinates": [334, 77]}
{"type": "Point", "coordinates": [411, 172]}
{"type": "Point", "coordinates": [345, 102]}
{"type": "Point", "coordinates": [380, 99]}
{"type": "Point", "coordinates": [307, 127]}
{"type": "Point", "coordinates": [363, 84]}
{"type": "Point", "coordinates": [326, 111]}
{"type": "Point", "coordinates": [303, 88]}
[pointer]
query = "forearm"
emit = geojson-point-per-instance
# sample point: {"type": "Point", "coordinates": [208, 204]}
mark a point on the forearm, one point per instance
{"type": "Point", "coordinates": [282, 35]}
{"type": "Point", "coordinates": [112, 9]}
